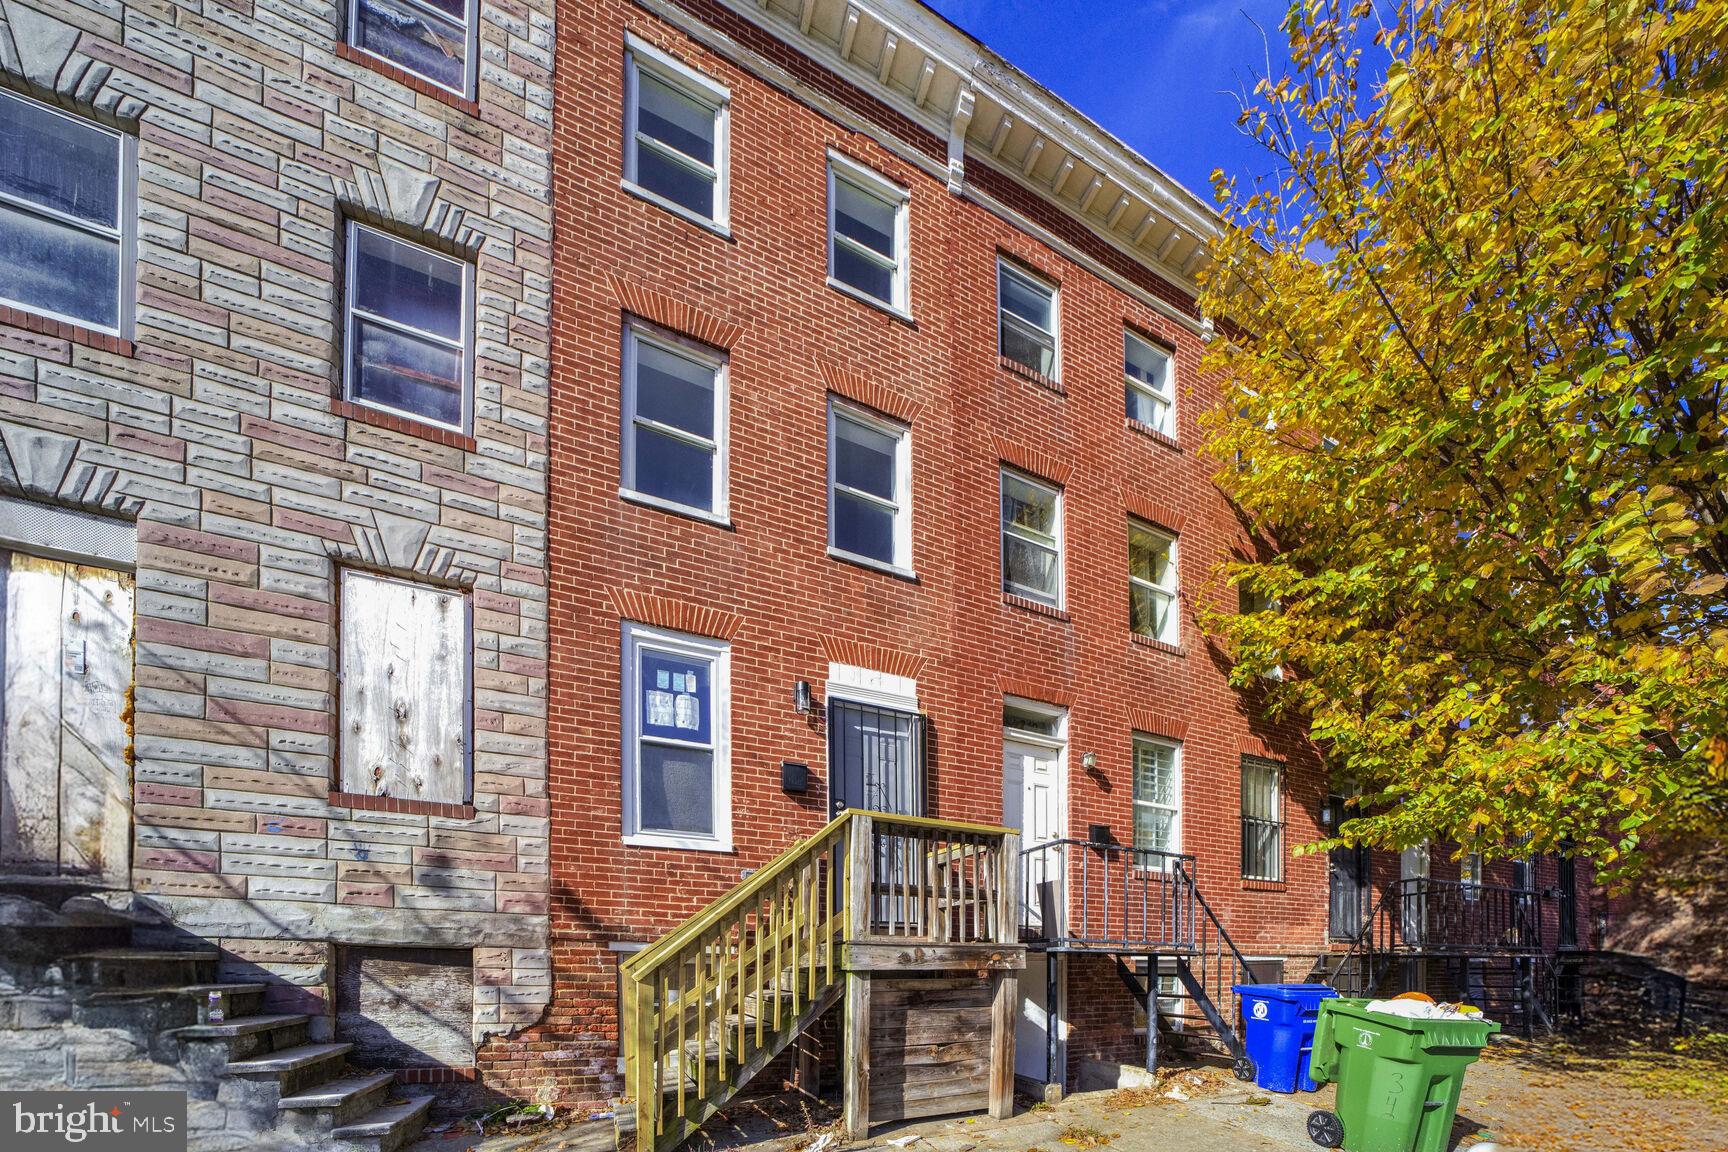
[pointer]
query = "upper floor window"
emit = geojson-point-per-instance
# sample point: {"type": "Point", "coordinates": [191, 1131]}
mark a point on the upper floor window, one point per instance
{"type": "Point", "coordinates": [674, 450]}
{"type": "Point", "coordinates": [869, 480]}
{"type": "Point", "coordinates": [404, 736]}
{"type": "Point", "coordinates": [407, 329]}
{"type": "Point", "coordinates": [1262, 820]}
{"type": "Point", "coordinates": [1157, 797]}
{"type": "Point", "coordinates": [1026, 319]}
{"type": "Point", "coordinates": [866, 234]}
{"type": "Point", "coordinates": [65, 216]}
{"type": "Point", "coordinates": [675, 135]}
{"type": "Point", "coordinates": [1151, 391]}
{"type": "Point", "coordinates": [1152, 583]}
{"type": "Point", "coordinates": [677, 770]}
{"type": "Point", "coordinates": [434, 39]}
{"type": "Point", "coordinates": [1031, 539]}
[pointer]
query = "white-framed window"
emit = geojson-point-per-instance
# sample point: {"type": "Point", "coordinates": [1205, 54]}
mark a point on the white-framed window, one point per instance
{"type": "Point", "coordinates": [675, 135]}
{"type": "Point", "coordinates": [1149, 380]}
{"type": "Point", "coordinates": [1157, 798]}
{"type": "Point", "coordinates": [1031, 539]}
{"type": "Point", "coordinates": [1026, 320]}
{"type": "Point", "coordinates": [869, 487]}
{"type": "Point", "coordinates": [405, 736]}
{"type": "Point", "coordinates": [1470, 875]}
{"type": "Point", "coordinates": [1153, 583]}
{"type": "Point", "coordinates": [674, 407]}
{"type": "Point", "coordinates": [406, 329]}
{"type": "Point", "coordinates": [66, 220]}
{"type": "Point", "coordinates": [1262, 820]}
{"type": "Point", "coordinates": [867, 234]}
{"type": "Point", "coordinates": [677, 784]}
{"type": "Point", "coordinates": [433, 39]}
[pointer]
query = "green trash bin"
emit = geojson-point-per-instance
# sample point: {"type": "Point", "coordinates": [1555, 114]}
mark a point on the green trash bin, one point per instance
{"type": "Point", "coordinates": [1398, 1078]}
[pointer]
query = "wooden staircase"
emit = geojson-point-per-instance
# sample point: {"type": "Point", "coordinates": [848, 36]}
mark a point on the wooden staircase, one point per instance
{"type": "Point", "coordinates": [714, 1002]}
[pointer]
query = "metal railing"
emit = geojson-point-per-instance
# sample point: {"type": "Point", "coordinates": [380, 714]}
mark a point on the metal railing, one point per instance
{"type": "Point", "coordinates": [1426, 917]}
{"type": "Point", "coordinates": [1088, 894]}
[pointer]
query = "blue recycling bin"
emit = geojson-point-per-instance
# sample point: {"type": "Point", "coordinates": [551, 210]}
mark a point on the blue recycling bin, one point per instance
{"type": "Point", "coordinates": [1278, 1031]}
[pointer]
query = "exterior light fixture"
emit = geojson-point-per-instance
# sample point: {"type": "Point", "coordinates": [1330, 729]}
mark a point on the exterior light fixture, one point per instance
{"type": "Point", "coordinates": [801, 702]}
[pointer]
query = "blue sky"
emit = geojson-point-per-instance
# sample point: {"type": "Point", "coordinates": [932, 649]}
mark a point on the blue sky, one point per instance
{"type": "Point", "coordinates": [1157, 73]}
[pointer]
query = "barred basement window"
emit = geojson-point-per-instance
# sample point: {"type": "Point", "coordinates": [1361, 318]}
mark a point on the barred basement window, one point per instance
{"type": "Point", "coordinates": [1151, 391]}
{"type": "Point", "coordinates": [65, 216]}
{"type": "Point", "coordinates": [675, 135]}
{"type": "Point", "coordinates": [434, 39]}
{"type": "Point", "coordinates": [407, 329]}
{"type": "Point", "coordinates": [1153, 583]}
{"type": "Point", "coordinates": [1262, 820]}
{"type": "Point", "coordinates": [1026, 320]}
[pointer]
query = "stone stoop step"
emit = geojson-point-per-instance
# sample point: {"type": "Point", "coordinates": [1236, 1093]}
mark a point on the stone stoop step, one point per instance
{"type": "Point", "coordinates": [243, 1026]}
{"type": "Point", "coordinates": [346, 1098]}
{"type": "Point", "coordinates": [387, 1128]}
{"type": "Point", "coordinates": [293, 1059]}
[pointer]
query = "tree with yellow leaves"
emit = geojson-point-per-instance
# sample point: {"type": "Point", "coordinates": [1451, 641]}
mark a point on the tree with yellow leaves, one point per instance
{"type": "Point", "coordinates": [1475, 336]}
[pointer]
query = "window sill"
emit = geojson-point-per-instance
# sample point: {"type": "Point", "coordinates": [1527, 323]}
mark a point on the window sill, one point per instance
{"type": "Point", "coordinates": [404, 77]}
{"type": "Point", "coordinates": [64, 330]}
{"type": "Point", "coordinates": [877, 303]}
{"type": "Point", "coordinates": [718, 520]}
{"type": "Point", "coordinates": [683, 843]}
{"type": "Point", "coordinates": [1151, 433]}
{"type": "Point", "coordinates": [707, 224]}
{"type": "Point", "coordinates": [1249, 884]}
{"type": "Point", "coordinates": [1157, 645]}
{"type": "Point", "coordinates": [448, 437]}
{"type": "Point", "coordinates": [1032, 374]}
{"type": "Point", "coordinates": [846, 557]}
{"type": "Point", "coordinates": [361, 802]}
{"type": "Point", "coordinates": [1030, 605]}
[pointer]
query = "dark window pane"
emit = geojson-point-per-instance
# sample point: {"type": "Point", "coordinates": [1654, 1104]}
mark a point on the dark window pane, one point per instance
{"type": "Point", "coordinates": [673, 118]}
{"type": "Point", "coordinates": [677, 697]}
{"type": "Point", "coordinates": [675, 470]}
{"type": "Point", "coordinates": [1148, 610]}
{"type": "Point", "coordinates": [674, 390]}
{"type": "Point", "coordinates": [58, 162]}
{"type": "Point", "coordinates": [1028, 506]}
{"type": "Point", "coordinates": [58, 268]}
{"type": "Point", "coordinates": [863, 274]}
{"type": "Point", "coordinates": [864, 218]}
{"type": "Point", "coordinates": [1031, 349]}
{"type": "Point", "coordinates": [677, 790]}
{"type": "Point", "coordinates": [863, 528]}
{"type": "Point", "coordinates": [1023, 298]}
{"type": "Point", "coordinates": [399, 371]}
{"type": "Point", "coordinates": [1029, 570]}
{"type": "Point", "coordinates": [864, 458]}
{"type": "Point", "coordinates": [674, 181]}
{"type": "Point", "coordinates": [429, 45]}
{"type": "Point", "coordinates": [408, 284]}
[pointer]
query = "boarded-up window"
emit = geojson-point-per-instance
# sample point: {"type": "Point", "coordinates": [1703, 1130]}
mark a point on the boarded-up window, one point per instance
{"type": "Point", "coordinates": [405, 670]}
{"type": "Point", "coordinates": [64, 782]}
{"type": "Point", "coordinates": [406, 1007]}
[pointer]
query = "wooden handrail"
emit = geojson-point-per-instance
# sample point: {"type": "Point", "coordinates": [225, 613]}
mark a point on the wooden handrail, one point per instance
{"type": "Point", "coordinates": [712, 1002]}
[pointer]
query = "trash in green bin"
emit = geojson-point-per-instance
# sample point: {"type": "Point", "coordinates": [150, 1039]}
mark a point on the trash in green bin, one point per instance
{"type": "Point", "coordinates": [1398, 1077]}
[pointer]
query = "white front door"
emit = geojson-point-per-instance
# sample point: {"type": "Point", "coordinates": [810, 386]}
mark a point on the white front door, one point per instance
{"type": "Point", "coordinates": [1032, 801]}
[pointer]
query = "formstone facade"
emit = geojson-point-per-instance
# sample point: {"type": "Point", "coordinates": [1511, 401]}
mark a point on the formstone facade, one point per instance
{"type": "Point", "coordinates": [212, 425]}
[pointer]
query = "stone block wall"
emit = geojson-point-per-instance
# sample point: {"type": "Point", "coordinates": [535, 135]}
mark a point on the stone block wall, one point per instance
{"type": "Point", "coordinates": [216, 425]}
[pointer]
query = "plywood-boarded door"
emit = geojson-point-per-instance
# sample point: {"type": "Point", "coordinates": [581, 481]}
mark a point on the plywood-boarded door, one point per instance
{"type": "Point", "coordinates": [65, 786]}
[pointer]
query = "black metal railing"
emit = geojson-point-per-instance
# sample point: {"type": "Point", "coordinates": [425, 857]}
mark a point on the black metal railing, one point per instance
{"type": "Point", "coordinates": [1425, 917]}
{"type": "Point", "coordinates": [1088, 894]}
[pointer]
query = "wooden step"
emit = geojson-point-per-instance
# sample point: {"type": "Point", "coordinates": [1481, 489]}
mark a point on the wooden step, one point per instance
{"type": "Point", "coordinates": [387, 1127]}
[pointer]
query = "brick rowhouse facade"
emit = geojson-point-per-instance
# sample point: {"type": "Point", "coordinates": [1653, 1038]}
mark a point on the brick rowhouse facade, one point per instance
{"type": "Point", "coordinates": [761, 579]}
{"type": "Point", "coordinates": [211, 430]}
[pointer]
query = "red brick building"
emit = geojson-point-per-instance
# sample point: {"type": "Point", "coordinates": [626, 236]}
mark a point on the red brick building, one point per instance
{"type": "Point", "coordinates": [875, 481]}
